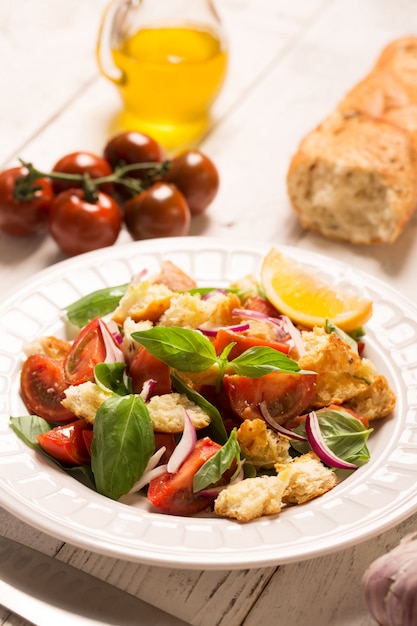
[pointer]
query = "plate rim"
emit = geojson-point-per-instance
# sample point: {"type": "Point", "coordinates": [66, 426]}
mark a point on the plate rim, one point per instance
{"type": "Point", "coordinates": [222, 558]}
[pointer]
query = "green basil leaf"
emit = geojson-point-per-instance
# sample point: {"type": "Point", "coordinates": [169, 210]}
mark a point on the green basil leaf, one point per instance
{"type": "Point", "coordinates": [122, 445]}
{"type": "Point", "coordinates": [181, 348]}
{"type": "Point", "coordinates": [111, 377]}
{"type": "Point", "coordinates": [214, 468]}
{"type": "Point", "coordinates": [95, 304]}
{"type": "Point", "coordinates": [216, 429]}
{"type": "Point", "coordinates": [345, 435]}
{"type": "Point", "coordinates": [330, 327]}
{"type": "Point", "coordinates": [27, 427]}
{"type": "Point", "coordinates": [260, 360]}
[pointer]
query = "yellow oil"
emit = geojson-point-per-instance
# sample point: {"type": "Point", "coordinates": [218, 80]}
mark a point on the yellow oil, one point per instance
{"type": "Point", "coordinates": [171, 77]}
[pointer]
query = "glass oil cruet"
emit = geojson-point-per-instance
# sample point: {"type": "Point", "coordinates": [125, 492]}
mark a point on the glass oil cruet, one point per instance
{"type": "Point", "coordinates": [168, 59]}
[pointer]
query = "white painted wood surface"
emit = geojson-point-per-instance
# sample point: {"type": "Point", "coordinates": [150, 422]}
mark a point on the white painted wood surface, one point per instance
{"type": "Point", "coordinates": [290, 63]}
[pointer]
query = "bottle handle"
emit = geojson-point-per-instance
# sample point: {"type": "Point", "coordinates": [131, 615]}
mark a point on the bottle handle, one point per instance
{"type": "Point", "coordinates": [104, 42]}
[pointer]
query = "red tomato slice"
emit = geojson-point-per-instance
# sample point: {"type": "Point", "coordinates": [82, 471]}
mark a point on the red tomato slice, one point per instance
{"type": "Point", "coordinates": [286, 395]}
{"type": "Point", "coordinates": [243, 342]}
{"type": "Point", "coordinates": [66, 443]}
{"type": "Point", "coordinates": [145, 366]}
{"type": "Point", "coordinates": [42, 384]}
{"type": "Point", "coordinates": [87, 350]}
{"type": "Point", "coordinates": [173, 493]}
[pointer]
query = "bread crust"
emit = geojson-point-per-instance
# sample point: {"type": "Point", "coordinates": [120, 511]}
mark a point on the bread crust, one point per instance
{"type": "Point", "coordinates": [354, 177]}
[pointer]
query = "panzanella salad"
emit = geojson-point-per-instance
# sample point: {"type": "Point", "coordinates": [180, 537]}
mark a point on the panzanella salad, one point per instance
{"type": "Point", "coordinates": [200, 400]}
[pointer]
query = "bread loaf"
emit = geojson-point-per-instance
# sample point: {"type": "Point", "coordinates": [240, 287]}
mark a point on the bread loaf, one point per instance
{"type": "Point", "coordinates": [354, 177]}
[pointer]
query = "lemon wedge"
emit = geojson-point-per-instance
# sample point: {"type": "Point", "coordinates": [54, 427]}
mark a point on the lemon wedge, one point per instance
{"type": "Point", "coordinates": [306, 298]}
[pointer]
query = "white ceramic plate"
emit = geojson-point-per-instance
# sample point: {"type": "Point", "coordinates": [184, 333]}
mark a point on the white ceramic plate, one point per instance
{"type": "Point", "coordinates": [371, 500]}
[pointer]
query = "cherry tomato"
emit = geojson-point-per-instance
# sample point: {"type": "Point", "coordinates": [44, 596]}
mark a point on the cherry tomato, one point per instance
{"type": "Point", "coordinates": [173, 493]}
{"type": "Point", "coordinates": [169, 442]}
{"type": "Point", "coordinates": [144, 367]}
{"type": "Point", "coordinates": [42, 384]}
{"type": "Point", "coordinates": [261, 305]}
{"type": "Point", "coordinates": [78, 225]}
{"type": "Point", "coordinates": [243, 342]}
{"type": "Point", "coordinates": [82, 163]}
{"type": "Point", "coordinates": [160, 211]}
{"type": "Point", "coordinates": [24, 217]}
{"type": "Point", "coordinates": [132, 147]}
{"type": "Point", "coordinates": [196, 177]}
{"type": "Point", "coordinates": [87, 350]}
{"type": "Point", "coordinates": [66, 443]}
{"type": "Point", "coordinates": [286, 395]}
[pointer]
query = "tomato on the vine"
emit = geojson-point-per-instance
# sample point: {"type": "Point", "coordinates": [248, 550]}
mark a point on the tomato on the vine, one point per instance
{"type": "Point", "coordinates": [160, 211]}
{"type": "Point", "coordinates": [81, 163]}
{"type": "Point", "coordinates": [196, 177]}
{"type": "Point", "coordinates": [79, 225]}
{"type": "Point", "coordinates": [28, 215]}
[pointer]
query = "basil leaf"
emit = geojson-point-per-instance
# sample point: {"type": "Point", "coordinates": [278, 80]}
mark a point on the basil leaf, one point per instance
{"type": "Point", "coordinates": [330, 327]}
{"type": "Point", "coordinates": [216, 427]}
{"type": "Point", "coordinates": [214, 468]}
{"type": "Point", "coordinates": [27, 427]}
{"type": "Point", "coordinates": [122, 445]}
{"type": "Point", "coordinates": [181, 348]}
{"type": "Point", "coordinates": [345, 435]}
{"type": "Point", "coordinates": [260, 360]}
{"type": "Point", "coordinates": [111, 377]}
{"type": "Point", "coordinates": [95, 304]}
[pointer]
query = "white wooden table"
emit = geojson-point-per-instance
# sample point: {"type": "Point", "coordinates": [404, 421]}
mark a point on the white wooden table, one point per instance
{"type": "Point", "coordinates": [290, 63]}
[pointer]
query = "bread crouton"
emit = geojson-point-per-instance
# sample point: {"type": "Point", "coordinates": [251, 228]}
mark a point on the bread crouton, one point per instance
{"type": "Point", "coordinates": [84, 400]}
{"type": "Point", "coordinates": [167, 413]}
{"type": "Point", "coordinates": [191, 311]}
{"type": "Point", "coordinates": [341, 372]}
{"type": "Point", "coordinates": [129, 346]}
{"type": "Point", "coordinates": [143, 301]}
{"type": "Point", "coordinates": [308, 479]}
{"type": "Point", "coordinates": [261, 446]}
{"type": "Point", "coordinates": [50, 346]}
{"type": "Point", "coordinates": [376, 401]}
{"type": "Point", "coordinates": [251, 498]}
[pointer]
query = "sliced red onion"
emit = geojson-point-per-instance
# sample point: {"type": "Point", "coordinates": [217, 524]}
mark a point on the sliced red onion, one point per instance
{"type": "Point", "coordinates": [319, 446]}
{"type": "Point", "coordinates": [212, 332]}
{"type": "Point", "coordinates": [152, 470]}
{"type": "Point", "coordinates": [115, 332]}
{"type": "Point", "coordinates": [113, 353]}
{"type": "Point", "coordinates": [294, 334]}
{"type": "Point", "coordinates": [282, 332]}
{"type": "Point", "coordinates": [138, 277]}
{"type": "Point", "coordinates": [214, 292]}
{"type": "Point", "coordinates": [147, 387]}
{"type": "Point", "coordinates": [184, 447]}
{"type": "Point", "coordinates": [278, 427]}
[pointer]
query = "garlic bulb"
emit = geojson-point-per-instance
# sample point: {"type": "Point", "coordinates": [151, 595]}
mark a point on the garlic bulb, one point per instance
{"type": "Point", "coordinates": [390, 585]}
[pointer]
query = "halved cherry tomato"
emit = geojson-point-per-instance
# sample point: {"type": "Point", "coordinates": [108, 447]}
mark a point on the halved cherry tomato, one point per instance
{"type": "Point", "coordinates": [168, 441]}
{"type": "Point", "coordinates": [243, 342]}
{"type": "Point", "coordinates": [145, 366]}
{"type": "Point", "coordinates": [87, 350]}
{"type": "Point", "coordinates": [286, 394]}
{"type": "Point", "coordinates": [173, 493]}
{"type": "Point", "coordinates": [24, 217]}
{"type": "Point", "coordinates": [67, 443]}
{"type": "Point", "coordinates": [42, 384]}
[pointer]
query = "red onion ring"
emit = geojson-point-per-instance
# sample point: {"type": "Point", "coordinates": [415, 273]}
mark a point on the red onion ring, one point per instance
{"type": "Point", "coordinates": [319, 446]}
{"type": "Point", "coordinates": [184, 447]}
{"type": "Point", "coordinates": [278, 427]}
